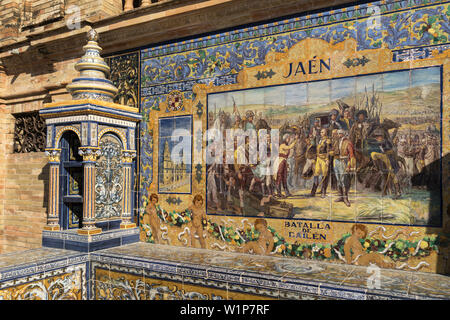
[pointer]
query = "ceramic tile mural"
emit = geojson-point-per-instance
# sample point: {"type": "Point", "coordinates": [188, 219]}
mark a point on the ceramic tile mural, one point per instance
{"type": "Point", "coordinates": [64, 284]}
{"type": "Point", "coordinates": [43, 274]}
{"type": "Point", "coordinates": [146, 271]}
{"type": "Point", "coordinates": [115, 285]}
{"type": "Point", "coordinates": [348, 159]}
{"type": "Point", "coordinates": [174, 163]}
{"type": "Point", "coordinates": [305, 102]}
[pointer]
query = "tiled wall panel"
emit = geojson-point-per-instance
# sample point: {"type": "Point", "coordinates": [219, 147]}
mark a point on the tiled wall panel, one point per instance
{"type": "Point", "coordinates": [386, 58]}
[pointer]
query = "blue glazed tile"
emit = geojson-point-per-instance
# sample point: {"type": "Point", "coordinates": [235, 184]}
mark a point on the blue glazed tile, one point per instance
{"type": "Point", "coordinates": [99, 245]}
{"type": "Point", "coordinates": [77, 246]}
{"type": "Point", "coordinates": [108, 225]}
{"type": "Point", "coordinates": [53, 243]}
{"type": "Point", "coordinates": [130, 239]}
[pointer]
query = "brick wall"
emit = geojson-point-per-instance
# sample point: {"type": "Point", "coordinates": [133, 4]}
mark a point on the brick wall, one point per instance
{"type": "Point", "coordinates": [3, 136]}
{"type": "Point", "coordinates": [23, 199]}
{"type": "Point", "coordinates": [41, 11]}
{"type": "Point", "coordinates": [94, 10]}
{"type": "Point", "coordinates": [9, 19]}
{"type": "Point", "coordinates": [20, 15]}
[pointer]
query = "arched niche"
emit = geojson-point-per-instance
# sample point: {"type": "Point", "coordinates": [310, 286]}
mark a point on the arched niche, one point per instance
{"type": "Point", "coordinates": [71, 181]}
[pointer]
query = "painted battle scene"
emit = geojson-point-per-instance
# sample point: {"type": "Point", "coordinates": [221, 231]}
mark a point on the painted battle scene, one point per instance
{"type": "Point", "coordinates": [361, 149]}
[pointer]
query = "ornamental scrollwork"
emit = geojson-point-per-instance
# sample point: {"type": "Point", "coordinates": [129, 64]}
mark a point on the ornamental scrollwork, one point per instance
{"type": "Point", "coordinates": [29, 133]}
{"type": "Point", "coordinates": [109, 179]}
{"type": "Point", "coordinates": [123, 288]}
{"type": "Point", "coordinates": [64, 287]}
{"type": "Point", "coordinates": [125, 76]}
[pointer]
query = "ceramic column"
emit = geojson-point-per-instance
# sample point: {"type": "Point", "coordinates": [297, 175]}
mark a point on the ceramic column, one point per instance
{"type": "Point", "coordinates": [89, 155]}
{"type": "Point", "coordinates": [127, 161]}
{"type": "Point", "coordinates": [53, 201]}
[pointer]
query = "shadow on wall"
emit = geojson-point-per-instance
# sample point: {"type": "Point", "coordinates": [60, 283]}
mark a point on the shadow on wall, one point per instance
{"type": "Point", "coordinates": [430, 179]}
{"type": "Point", "coordinates": [138, 3]}
{"type": "Point", "coordinates": [44, 176]}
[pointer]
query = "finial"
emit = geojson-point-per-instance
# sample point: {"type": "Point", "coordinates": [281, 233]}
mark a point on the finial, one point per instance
{"type": "Point", "coordinates": [92, 82]}
{"type": "Point", "coordinates": [92, 35]}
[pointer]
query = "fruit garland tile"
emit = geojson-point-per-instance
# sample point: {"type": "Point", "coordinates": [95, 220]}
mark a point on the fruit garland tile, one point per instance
{"type": "Point", "coordinates": [397, 250]}
{"type": "Point", "coordinates": [174, 218]}
{"type": "Point", "coordinates": [231, 236]}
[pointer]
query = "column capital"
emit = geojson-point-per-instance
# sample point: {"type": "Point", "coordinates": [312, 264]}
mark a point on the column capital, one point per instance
{"type": "Point", "coordinates": [89, 153]}
{"type": "Point", "coordinates": [53, 154]}
{"type": "Point", "coordinates": [128, 156]}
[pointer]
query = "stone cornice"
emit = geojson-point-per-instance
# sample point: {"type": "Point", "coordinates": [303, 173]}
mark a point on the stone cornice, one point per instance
{"type": "Point", "coordinates": [48, 51]}
{"type": "Point", "coordinates": [159, 22]}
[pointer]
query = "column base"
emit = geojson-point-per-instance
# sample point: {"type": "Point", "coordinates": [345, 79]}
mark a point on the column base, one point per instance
{"type": "Point", "coordinates": [52, 227]}
{"type": "Point", "coordinates": [89, 231]}
{"type": "Point", "coordinates": [72, 240]}
{"type": "Point", "coordinates": [127, 225]}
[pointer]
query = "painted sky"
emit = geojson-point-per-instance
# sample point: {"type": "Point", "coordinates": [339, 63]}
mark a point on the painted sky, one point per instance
{"type": "Point", "coordinates": [324, 92]}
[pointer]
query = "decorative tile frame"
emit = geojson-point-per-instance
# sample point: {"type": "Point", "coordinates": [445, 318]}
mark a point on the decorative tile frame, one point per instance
{"type": "Point", "coordinates": [130, 265]}
{"type": "Point", "coordinates": [220, 59]}
{"type": "Point", "coordinates": [142, 271]}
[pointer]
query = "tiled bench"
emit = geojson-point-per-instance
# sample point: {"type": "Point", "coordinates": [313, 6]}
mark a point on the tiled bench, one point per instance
{"type": "Point", "coordinates": [149, 271]}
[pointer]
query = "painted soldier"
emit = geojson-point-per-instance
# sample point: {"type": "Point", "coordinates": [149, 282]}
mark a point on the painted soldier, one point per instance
{"type": "Point", "coordinates": [284, 151]}
{"type": "Point", "coordinates": [211, 182]}
{"type": "Point", "coordinates": [237, 122]}
{"type": "Point", "coordinates": [346, 121]}
{"type": "Point", "coordinates": [334, 138]}
{"type": "Point", "coordinates": [334, 121]}
{"type": "Point", "coordinates": [344, 164]}
{"type": "Point", "coordinates": [407, 150]}
{"type": "Point", "coordinates": [242, 169]}
{"type": "Point", "coordinates": [359, 129]}
{"type": "Point", "coordinates": [321, 169]}
{"type": "Point", "coordinates": [300, 150]}
{"type": "Point", "coordinates": [310, 155]}
{"type": "Point", "coordinates": [429, 154]}
{"type": "Point", "coordinates": [420, 145]}
{"type": "Point", "coordinates": [232, 187]}
{"type": "Point", "coordinates": [315, 132]}
{"type": "Point", "coordinates": [249, 116]}
{"type": "Point", "coordinates": [381, 151]}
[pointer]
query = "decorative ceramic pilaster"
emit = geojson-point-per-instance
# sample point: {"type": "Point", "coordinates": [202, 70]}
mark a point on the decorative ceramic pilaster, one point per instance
{"type": "Point", "coordinates": [53, 201]}
{"type": "Point", "coordinates": [95, 114]}
{"type": "Point", "coordinates": [89, 155]}
{"type": "Point", "coordinates": [127, 161]}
